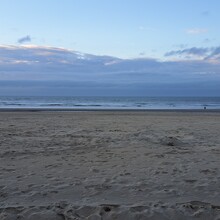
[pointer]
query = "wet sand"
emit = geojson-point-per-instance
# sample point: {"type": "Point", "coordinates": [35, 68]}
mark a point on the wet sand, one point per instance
{"type": "Point", "coordinates": [109, 165]}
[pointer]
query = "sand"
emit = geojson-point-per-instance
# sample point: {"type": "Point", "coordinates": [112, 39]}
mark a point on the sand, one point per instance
{"type": "Point", "coordinates": [109, 165]}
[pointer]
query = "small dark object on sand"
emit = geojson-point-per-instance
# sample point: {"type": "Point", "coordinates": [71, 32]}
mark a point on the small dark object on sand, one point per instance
{"type": "Point", "coordinates": [107, 209]}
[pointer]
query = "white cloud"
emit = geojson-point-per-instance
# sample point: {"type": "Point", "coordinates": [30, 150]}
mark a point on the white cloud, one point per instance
{"type": "Point", "coordinates": [143, 28]}
{"type": "Point", "coordinates": [195, 31]}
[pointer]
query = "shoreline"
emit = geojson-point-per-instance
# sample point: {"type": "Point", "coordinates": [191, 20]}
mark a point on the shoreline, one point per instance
{"type": "Point", "coordinates": [103, 110]}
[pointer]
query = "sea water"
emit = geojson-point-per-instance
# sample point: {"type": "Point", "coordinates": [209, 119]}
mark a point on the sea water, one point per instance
{"type": "Point", "coordinates": [60, 102]}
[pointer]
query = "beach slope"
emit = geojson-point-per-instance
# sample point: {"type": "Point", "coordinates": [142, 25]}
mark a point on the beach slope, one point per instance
{"type": "Point", "coordinates": [110, 165]}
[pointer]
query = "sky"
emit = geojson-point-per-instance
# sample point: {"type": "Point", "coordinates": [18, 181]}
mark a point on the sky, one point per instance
{"type": "Point", "coordinates": [116, 47]}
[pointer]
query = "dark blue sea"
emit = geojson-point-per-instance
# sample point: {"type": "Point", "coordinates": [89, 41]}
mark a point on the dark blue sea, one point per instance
{"type": "Point", "coordinates": [59, 102]}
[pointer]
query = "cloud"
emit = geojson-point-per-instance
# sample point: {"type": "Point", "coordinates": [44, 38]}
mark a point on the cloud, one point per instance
{"type": "Point", "coordinates": [216, 51]}
{"type": "Point", "coordinates": [190, 51]}
{"type": "Point", "coordinates": [214, 55]}
{"type": "Point", "coordinates": [24, 39]}
{"type": "Point", "coordinates": [195, 31]}
{"type": "Point", "coordinates": [180, 45]}
{"type": "Point", "coordinates": [205, 53]}
{"type": "Point", "coordinates": [73, 71]}
{"type": "Point", "coordinates": [142, 28]}
{"type": "Point", "coordinates": [142, 54]}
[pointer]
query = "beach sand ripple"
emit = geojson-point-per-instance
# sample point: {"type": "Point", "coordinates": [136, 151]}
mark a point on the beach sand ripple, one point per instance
{"type": "Point", "coordinates": [109, 165]}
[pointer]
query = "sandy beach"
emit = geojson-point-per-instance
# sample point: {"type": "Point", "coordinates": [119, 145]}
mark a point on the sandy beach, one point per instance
{"type": "Point", "coordinates": [122, 165]}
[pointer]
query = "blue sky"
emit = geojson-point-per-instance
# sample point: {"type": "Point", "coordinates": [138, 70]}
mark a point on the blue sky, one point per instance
{"type": "Point", "coordinates": [110, 47]}
{"type": "Point", "coordinates": [122, 28]}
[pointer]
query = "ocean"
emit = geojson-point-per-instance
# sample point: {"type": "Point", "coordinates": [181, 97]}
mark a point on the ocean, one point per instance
{"type": "Point", "coordinates": [59, 102]}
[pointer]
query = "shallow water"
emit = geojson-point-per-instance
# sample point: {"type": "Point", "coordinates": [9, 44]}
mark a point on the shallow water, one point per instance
{"type": "Point", "coordinates": [110, 102]}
